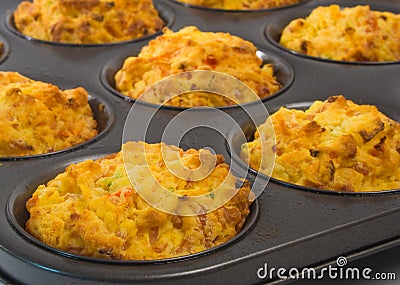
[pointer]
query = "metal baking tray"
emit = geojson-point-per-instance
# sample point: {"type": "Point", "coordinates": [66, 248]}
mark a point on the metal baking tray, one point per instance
{"type": "Point", "coordinates": [288, 227]}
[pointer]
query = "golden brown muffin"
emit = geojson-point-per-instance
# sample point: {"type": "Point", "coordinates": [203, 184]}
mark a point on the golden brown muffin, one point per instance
{"type": "Point", "coordinates": [37, 117]}
{"type": "Point", "coordinates": [87, 21]}
{"type": "Point", "coordinates": [334, 145]}
{"type": "Point", "coordinates": [190, 49]}
{"type": "Point", "coordinates": [91, 209]}
{"type": "Point", "coordinates": [241, 4]}
{"type": "Point", "coordinates": [348, 34]}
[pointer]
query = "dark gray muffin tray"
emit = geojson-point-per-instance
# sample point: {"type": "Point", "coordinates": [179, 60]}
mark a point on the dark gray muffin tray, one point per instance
{"type": "Point", "coordinates": [288, 226]}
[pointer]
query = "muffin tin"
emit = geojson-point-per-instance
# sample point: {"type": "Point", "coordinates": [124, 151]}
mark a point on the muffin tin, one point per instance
{"type": "Point", "coordinates": [287, 228]}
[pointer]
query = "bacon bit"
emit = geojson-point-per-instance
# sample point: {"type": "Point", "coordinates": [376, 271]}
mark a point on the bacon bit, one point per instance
{"type": "Point", "coordinates": [109, 252]}
{"type": "Point", "coordinates": [312, 128]}
{"type": "Point", "coordinates": [211, 61]}
{"type": "Point", "coordinates": [350, 30]}
{"type": "Point", "coordinates": [74, 216]}
{"type": "Point", "coordinates": [332, 169]}
{"type": "Point", "coordinates": [244, 49]}
{"type": "Point", "coordinates": [361, 168]}
{"type": "Point", "coordinates": [359, 56]}
{"type": "Point", "coordinates": [203, 223]}
{"type": "Point", "coordinates": [203, 220]}
{"type": "Point", "coordinates": [137, 26]}
{"type": "Point", "coordinates": [314, 152]}
{"type": "Point", "coordinates": [303, 46]}
{"type": "Point", "coordinates": [177, 222]}
{"type": "Point", "coordinates": [332, 99]}
{"type": "Point", "coordinates": [379, 146]}
{"type": "Point", "coordinates": [153, 235]}
{"type": "Point", "coordinates": [300, 22]}
{"type": "Point", "coordinates": [367, 136]}
{"type": "Point", "coordinates": [20, 145]}
{"type": "Point", "coordinates": [56, 31]}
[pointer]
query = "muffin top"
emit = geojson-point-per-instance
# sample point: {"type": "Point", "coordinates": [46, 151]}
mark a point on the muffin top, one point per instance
{"type": "Point", "coordinates": [191, 49]}
{"type": "Point", "coordinates": [334, 145]}
{"type": "Point", "coordinates": [240, 4]}
{"type": "Point", "coordinates": [355, 34]}
{"type": "Point", "coordinates": [92, 209]}
{"type": "Point", "coordinates": [87, 21]}
{"type": "Point", "coordinates": [38, 117]}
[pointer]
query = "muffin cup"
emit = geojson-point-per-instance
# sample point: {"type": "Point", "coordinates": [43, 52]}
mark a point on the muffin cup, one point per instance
{"type": "Point", "coordinates": [165, 13]}
{"type": "Point", "coordinates": [274, 29]}
{"type": "Point", "coordinates": [236, 139]}
{"type": "Point", "coordinates": [18, 215]}
{"type": "Point", "coordinates": [103, 114]}
{"type": "Point", "coordinates": [282, 70]}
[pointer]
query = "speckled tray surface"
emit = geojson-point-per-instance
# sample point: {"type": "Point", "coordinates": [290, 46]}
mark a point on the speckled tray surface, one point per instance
{"type": "Point", "coordinates": [288, 227]}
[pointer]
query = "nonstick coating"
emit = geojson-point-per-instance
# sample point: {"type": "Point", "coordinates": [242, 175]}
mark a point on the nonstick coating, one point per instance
{"type": "Point", "coordinates": [294, 228]}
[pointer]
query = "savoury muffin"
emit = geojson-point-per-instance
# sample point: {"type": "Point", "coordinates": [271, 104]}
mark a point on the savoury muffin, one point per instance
{"type": "Point", "coordinates": [92, 209]}
{"type": "Point", "coordinates": [87, 21]}
{"type": "Point", "coordinates": [241, 4]}
{"type": "Point", "coordinates": [37, 117]}
{"type": "Point", "coordinates": [190, 49]}
{"type": "Point", "coordinates": [355, 34]}
{"type": "Point", "coordinates": [334, 145]}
